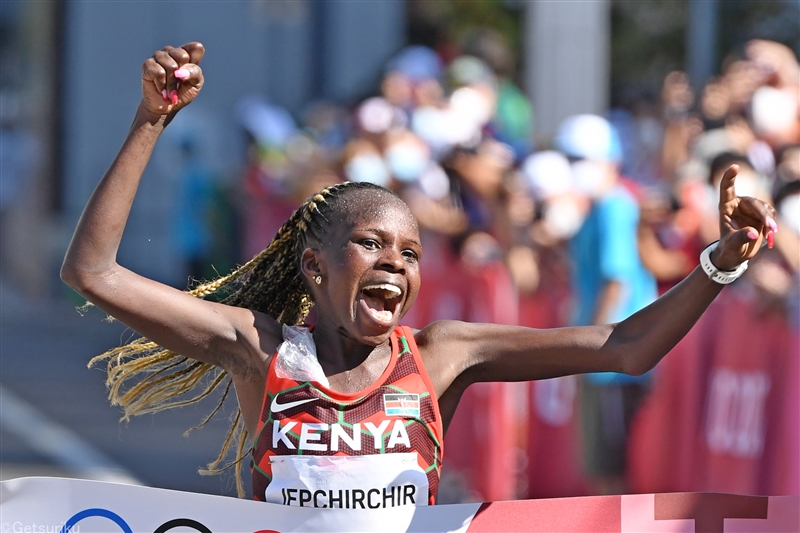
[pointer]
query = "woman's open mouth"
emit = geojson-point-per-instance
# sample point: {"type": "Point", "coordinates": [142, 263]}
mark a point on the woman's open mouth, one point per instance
{"type": "Point", "coordinates": [381, 302]}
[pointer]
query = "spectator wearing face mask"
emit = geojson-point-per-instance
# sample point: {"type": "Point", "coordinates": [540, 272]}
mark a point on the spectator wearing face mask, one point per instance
{"type": "Point", "coordinates": [412, 78]}
{"type": "Point", "coordinates": [406, 155]}
{"type": "Point", "coordinates": [362, 161]}
{"type": "Point", "coordinates": [610, 283]}
{"type": "Point", "coordinates": [512, 123]}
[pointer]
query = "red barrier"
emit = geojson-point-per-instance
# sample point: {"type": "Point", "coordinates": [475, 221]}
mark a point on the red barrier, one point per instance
{"type": "Point", "coordinates": [484, 435]}
{"type": "Point", "coordinates": [744, 398]}
{"type": "Point", "coordinates": [663, 437]}
{"type": "Point", "coordinates": [724, 411]}
{"type": "Point", "coordinates": [642, 513]}
{"type": "Point", "coordinates": [555, 466]}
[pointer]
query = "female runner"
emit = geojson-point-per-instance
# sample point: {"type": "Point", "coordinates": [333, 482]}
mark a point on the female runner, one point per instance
{"type": "Point", "coordinates": [361, 424]}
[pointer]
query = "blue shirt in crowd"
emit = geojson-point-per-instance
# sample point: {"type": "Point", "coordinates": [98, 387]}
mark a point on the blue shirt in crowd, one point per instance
{"type": "Point", "coordinates": [605, 249]}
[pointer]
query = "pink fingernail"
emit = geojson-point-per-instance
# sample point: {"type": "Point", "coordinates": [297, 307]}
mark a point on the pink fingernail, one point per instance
{"type": "Point", "coordinates": [164, 94]}
{"type": "Point", "coordinates": [174, 96]}
{"type": "Point", "coordinates": [752, 235]}
{"type": "Point", "coordinates": [770, 240]}
{"type": "Point", "coordinates": [772, 225]}
{"type": "Point", "coordinates": [181, 73]}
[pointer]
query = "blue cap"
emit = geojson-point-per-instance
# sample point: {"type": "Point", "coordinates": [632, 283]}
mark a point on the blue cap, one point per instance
{"type": "Point", "coordinates": [417, 63]}
{"type": "Point", "coordinates": [271, 125]}
{"type": "Point", "coordinates": [589, 137]}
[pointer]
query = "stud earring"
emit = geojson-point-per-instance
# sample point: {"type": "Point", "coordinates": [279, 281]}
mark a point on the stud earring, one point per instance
{"type": "Point", "coordinates": [318, 280]}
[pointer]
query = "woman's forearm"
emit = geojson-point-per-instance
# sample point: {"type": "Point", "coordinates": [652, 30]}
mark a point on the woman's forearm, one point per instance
{"type": "Point", "coordinates": [94, 244]}
{"type": "Point", "coordinates": [645, 337]}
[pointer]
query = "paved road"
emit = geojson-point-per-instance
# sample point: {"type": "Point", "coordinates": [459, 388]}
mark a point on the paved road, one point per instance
{"type": "Point", "coordinates": [44, 348]}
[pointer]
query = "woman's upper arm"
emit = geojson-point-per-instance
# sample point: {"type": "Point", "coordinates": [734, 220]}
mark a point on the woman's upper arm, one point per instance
{"type": "Point", "coordinates": [230, 337]}
{"type": "Point", "coordinates": [492, 352]}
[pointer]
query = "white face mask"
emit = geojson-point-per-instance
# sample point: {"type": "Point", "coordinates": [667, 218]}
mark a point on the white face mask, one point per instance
{"type": "Point", "coordinates": [773, 110]}
{"type": "Point", "coordinates": [789, 211]}
{"type": "Point", "coordinates": [406, 161]}
{"type": "Point", "coordinates": [434, 182]}
{"type": "Point", "coordinates": [563, 217]}
{"type": "Point", "coordinates": [748, 183]}
{"type": "Point", "coordinates": [590, 178]}
{"type": "Point", "coordinates": [367, 167]}
{"type": "Point", "coordinates": [472, 104]}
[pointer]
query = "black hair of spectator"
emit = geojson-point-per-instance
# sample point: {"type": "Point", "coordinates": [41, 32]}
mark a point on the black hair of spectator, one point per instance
{"type": "Point", "coordinates": [786, 173]}
{"type": "Point", "coordinates": [724, 160]}
{"type": "Point", "coordinates": [787, 189]}
{"type": "Point", "coordinates": [780, 153]}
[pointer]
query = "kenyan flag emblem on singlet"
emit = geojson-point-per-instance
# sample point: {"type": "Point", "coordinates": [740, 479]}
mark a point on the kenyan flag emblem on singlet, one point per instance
{"type": "Point", "coordinates": [405, 405]}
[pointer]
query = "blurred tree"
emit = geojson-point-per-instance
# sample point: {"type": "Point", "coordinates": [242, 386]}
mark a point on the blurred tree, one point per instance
{"type": "Point", "coordinates": [744, 20]}
{"type": "Point", "coordinates": [443, 25]}
{"type": "Point", "coordinates": [649, 38]}
{"type": "Point", "coordinates": [647, 42]}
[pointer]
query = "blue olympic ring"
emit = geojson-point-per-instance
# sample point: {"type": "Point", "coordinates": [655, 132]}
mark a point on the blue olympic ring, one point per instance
{"type": "Point", "coordinates": [103, 513]}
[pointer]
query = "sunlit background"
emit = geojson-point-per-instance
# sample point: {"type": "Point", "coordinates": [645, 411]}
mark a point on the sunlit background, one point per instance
{"type": "Point", "coordinates": [460, 107]}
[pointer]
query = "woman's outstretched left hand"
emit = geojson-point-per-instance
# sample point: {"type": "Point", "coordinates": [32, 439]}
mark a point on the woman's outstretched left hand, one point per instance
{"type": "Point", "coordinates": [745, 224]}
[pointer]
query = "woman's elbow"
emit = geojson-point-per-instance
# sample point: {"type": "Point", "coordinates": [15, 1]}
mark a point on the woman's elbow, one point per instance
{"type": "Point", "coordinates": [635, 363]}
{"type": "Point", "coordinates": [80, 279]}
{"type": "Point", "coordinates": [70, 275]}
{"type": "Point", "coordinates": [635, 369]}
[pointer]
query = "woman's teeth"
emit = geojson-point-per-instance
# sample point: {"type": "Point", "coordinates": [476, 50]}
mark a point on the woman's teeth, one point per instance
{"type": "Point", "coordinates": [393, 290]}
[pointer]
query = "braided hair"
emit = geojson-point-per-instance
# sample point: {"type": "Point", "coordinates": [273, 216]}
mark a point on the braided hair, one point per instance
{"type": "Point", "coordinates": [271, 283]}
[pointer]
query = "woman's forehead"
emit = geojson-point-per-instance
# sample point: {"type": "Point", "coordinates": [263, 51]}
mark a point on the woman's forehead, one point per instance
{"type": "Point", "coordinates": [389, 213]}
{"type": "Point", "coordinates": [379, 211]}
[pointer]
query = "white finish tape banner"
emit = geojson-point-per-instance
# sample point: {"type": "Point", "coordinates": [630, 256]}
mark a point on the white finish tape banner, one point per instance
{"type": "Point", "coordinates": [43, 505]}
{"type": "Point", "coordinates": [39, 505]}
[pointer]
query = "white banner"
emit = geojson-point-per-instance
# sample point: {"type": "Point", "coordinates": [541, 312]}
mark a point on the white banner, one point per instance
{"type": "Point", "coordinates": [348, 482]}
{"type": "Point", "coordinates": [44, 505]}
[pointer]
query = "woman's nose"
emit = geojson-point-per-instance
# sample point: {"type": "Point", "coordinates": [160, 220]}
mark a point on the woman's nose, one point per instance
{"type": "Point", "coordinates": [393, 259]}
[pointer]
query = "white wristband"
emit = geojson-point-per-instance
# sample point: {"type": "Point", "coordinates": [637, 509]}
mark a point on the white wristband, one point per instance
{"type": "Point", "coordinates": [714, 274]}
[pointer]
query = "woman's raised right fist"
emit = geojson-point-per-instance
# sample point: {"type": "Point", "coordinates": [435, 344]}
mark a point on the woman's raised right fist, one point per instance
{"type": "Point", "coordinates": [172, 78]}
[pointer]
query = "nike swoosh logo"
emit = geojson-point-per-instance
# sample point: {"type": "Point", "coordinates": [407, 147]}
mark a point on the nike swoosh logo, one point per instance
{"type": "Point", "coordinates": [276, 407]}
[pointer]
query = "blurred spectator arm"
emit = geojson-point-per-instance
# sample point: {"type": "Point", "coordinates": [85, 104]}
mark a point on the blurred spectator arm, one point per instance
{"type": "Point", "coordinates": [776, 62]}
{"type": "Point", "coordinates": [608, 299]}
{"type": "Point", "coordinates": [663, 263]}
{"type": "Point", "coordinates": [677, 99]}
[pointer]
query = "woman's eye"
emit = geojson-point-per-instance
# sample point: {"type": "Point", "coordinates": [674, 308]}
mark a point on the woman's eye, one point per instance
{"type": "Point", "coordinates": [369, 244]}
{"type": "Point", "coordinates": [410, 256]}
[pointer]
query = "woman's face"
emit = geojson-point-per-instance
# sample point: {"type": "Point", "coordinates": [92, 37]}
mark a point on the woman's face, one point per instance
{"type": "Point", "coordinates": [370, 271]}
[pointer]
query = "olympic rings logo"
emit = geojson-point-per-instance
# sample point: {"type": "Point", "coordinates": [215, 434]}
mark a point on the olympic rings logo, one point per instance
{"type": "Point", "coordinates": [125, 528]}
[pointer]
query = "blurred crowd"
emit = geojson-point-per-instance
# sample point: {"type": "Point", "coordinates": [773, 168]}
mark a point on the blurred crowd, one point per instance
{"type": "Point", "coordinates": [584, 227]}
{"type": "Point", "coordinates": [452, 134]}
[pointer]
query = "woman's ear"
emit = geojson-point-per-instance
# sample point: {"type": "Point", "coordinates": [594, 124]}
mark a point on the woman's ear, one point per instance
{"type": "Point", "coordinates": [311, 263]}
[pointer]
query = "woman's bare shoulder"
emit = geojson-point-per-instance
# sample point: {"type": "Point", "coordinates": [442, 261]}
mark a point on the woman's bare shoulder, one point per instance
{"type": "Point", "coordinates": [439, 333]}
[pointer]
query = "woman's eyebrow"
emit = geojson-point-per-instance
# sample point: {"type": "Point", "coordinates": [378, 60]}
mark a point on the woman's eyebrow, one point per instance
{"type": "Point", "coordinates": [415, 242]}
{"type": "Point", "coordinates": [384, 233]}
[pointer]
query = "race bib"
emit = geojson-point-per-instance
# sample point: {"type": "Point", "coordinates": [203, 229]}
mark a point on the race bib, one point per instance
{"type": "Point", "coordinates": [348, 482]}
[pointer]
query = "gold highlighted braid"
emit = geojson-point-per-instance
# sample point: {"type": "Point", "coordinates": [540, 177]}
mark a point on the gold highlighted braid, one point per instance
{"type": "Point", "coordinates": [145, 378]}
